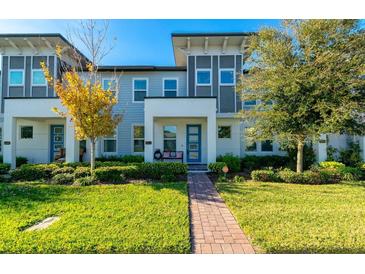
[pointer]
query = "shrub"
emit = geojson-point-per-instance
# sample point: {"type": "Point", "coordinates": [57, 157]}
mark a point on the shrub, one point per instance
{"type": "Point", "coordinates": [31, 172]}
{"type": "Point", "coordinates": [331, 164]}
{"type": "Point", "coordinates": [217, 167]}
{"type": "Point", "coordinates": [62, 179]}
{"type": "Point", "coordinates": [292, 177]}
{"type": "Point", "coordinates": [168, 178]}
{"type": "Point", "coordinates": [264, 176]}
{"type": "Point", "coordinates": [125, 159]}
{"type": "Point", "coordinates": [252, 162]}
{"type": "Point", "coordinates": [233, 162]}
{"type": "Point", "coordinates": [309, 177]}
{"type": "Point", "coordinates": [21, 161]}
{"type": "Point", "coordinates": [109, 163]}
{"type": "Point", "coordinates": [113, 174]}
{"type": "Point", "coordinates": [352, 155]}
{"type": "Point", "coordinates": [63, 170]}
{"type": "Point", "coordinates": [81, 172]}
{"type": "Point", "coordinates": [350, 173]}
{"type": "Point", "coordinates": [85, 181]}
{"type": "Point", "coordinates": [156, 170]}
{"type": "Point", "coordinates": [238, 179]}
{"type": "Point", "coordinates": [4, 168]}
{"type": "Point", "coordinates": [74, 164]}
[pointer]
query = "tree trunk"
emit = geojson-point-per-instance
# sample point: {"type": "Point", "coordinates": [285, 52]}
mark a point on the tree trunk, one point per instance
{"type": "Point", "coordinates": [300, 156]}
{"type": "Point", "coordinates": [92, 154]}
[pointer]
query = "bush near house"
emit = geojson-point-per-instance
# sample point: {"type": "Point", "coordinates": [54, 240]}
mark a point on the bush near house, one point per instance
{"type": "Point", "coordinates": [62, 179]}
{"type": "Point", "coordinates": [233, 162]}
{"type": "Point", "coordinates": [19, 160]}
{"type": "Point", "coordinates": [252, 162]}
{"type": "Point", "coordinates": [63, 170]}
{"type": "Point", "coordinates": [116, 174]}
{"type": "Point", "coordinates": [4, 168]}
{"type": "Point", "coordinates": [264, 176]}
{"type": "Point", "coordinates": [331, 164]}
{"type": "Point", "coordinates": [85, 181]}
{"type": "Point", "coordinates": [124, 159]}
{"type": "Point", "coordinates": [217, 167]}
{"type": "Point", "coordinates": [81, 172]}
{"type": "Point", "coordinates": [32, 172]}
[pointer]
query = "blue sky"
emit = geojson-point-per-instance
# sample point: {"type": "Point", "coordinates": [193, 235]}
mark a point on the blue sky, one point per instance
{"type": "Point", "coordinates": [139, 42]}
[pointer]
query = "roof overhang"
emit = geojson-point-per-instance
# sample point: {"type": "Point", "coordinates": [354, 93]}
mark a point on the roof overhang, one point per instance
{"type": "Point", "coordinates": [185, 43]}
{"type": "Point", "coordinates": [17, 42]}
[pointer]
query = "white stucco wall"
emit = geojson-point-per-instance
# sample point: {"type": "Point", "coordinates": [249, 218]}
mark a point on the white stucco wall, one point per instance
{"type": "Point", "coordinates": [180, 124]}
{"type": "Point", "coordinates": [229, 145]}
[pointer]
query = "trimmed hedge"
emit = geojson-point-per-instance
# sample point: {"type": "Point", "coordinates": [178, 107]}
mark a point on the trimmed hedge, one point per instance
{"type": "Point", "coordinates": [32, 172]}
{"type": "Point", "coordinates": [233, 162]}
{"type": "Point", "coordinates": [309, 177]}
{"type": "Point", "coordinates": [116, 174]}
{"type": "Point", "coordinates": [62, 179]}
{"type": "Point", "coordinates": [81, 172]}
{"type": "Point", "coordinates": [63, 170]}
{"type": "Point", "coordinates": [4, 168]}
{"type": "Point", "coordinates": [85, 181]}
{"type": "Point", "coordinates": [264, 176]}
{"type": "Point", "coordinates": [125, 159]}
{"type": "Point", "coordinates": [350, 173]}
{"type": "Point", "coordinates": [217, 167]}
{"type": "Point", "coordinates": [252, 162]}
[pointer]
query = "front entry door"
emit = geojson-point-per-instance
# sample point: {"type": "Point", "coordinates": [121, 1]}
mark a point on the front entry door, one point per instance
{"type": "Point", "coordinates": [57, 140]}
{"type": "Point", "coordinates": [193, 143]}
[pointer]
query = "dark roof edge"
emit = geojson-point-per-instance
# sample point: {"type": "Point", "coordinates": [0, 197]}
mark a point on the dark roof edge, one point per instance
{"type": "Point", "coordinates": [141, 68]}
{"type": "Point", "coordinates": [198, 34]}
{"type": "Point", "coordinates": [55, 35]}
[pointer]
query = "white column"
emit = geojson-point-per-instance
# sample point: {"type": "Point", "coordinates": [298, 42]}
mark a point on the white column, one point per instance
{"type": "Point", "coordinates": [9, 141]}
{"type": "Point", "coordinates": [212, 139]}
{"type": "Point", "coordinates": [148, 138]}
{"type": "Point", "coordinates": [362, 145]}
{"type": "Point", "coordinates": [322, 148]}
{"type": "Point", "coordinates": [72, 144]}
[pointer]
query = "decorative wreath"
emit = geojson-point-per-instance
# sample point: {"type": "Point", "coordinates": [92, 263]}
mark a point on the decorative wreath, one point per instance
{"type": "Point", "coordinates": [157, 155]}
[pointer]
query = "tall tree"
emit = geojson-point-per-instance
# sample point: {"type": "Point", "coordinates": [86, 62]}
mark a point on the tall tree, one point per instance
{"type": "Point", "coordinates": [308, 79]}
{"type": "Point", "coordinates": [87, 104]}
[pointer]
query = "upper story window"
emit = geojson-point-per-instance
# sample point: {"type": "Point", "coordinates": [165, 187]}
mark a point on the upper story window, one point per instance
{"type": "Point", "coordinates": [140, 87]}
{"type": "Point", "coordinates": [109, 84]}
{"type": "Point", "coordinates": [203, 77]}
{"type": "Point", "coordinates": [16, 77]}
{"type": "Point", "coordinates": [38, 78]}
{"type": "Point", "coordinates": [226, 77]}
{"type": "Point", "coordinates": [170, 87]}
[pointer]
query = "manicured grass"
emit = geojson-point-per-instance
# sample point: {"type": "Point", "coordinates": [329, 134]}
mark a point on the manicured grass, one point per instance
{"type": "Point", "coordinates": [288, 218]}
{"type": "Point", "coordinates": [132, 218]}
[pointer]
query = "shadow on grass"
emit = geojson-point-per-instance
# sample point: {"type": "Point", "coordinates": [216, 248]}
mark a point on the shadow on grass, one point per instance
{"type": "Point", "coordinates": [20, 195]}
{"type": "Point", "coordinates": [178, 186]}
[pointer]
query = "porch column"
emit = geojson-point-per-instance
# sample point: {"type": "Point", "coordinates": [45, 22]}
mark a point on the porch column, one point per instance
{"type": "Point", "coordinates": [322, 148]}
{"type": "Point", "coordinates": [148, 138]}
{"type": "Point", "coordinates": [362, 145]}
{"type": "Point", "coordinates": [212, 139]}
{"type": "Point", "coordinates": [9, 147]}
{"type": "Point", "coordinates": [72, 144]}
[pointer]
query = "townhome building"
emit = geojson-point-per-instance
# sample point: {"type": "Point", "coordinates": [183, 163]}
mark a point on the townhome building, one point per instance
{"type": "Point", "coordinates": [190, 107]}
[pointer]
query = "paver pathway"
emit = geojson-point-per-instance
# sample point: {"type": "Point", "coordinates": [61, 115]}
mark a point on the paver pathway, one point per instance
{"type": "Point", "coordinates": [213, 227]}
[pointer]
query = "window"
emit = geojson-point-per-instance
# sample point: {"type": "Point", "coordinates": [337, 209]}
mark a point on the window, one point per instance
{"type": "Point", "coordinates": [203, 77]}
{"type": "Point", "coordinates": [138, 138]}
{"type": "Point", "coordinates": [16, 77]}
{"type": "Point", "coordinates": [169, 138]}
{"type": "Point", "coordinates": [109, 84]}
{"type": "Point", "coordinates": [140, 87]}
{"type": "Point", "coordinates": [38, 78]}
{"type": "Point", "coordinates": [266, 145]}
{"type": "Point", "coordinates": [110, 143]}
{"type": "Point", "coordinates": [224, 132]}
{"type": "Point", "coordinates": [26, 132]}
{"type": "Point", "coordinates": [250, 143]}
{"type": "Point", "coordinates": [170, 87]}
{"type": "Point", "coordinates": [226, 77]}
{"type": "Point", "coordinates": [250, 103]}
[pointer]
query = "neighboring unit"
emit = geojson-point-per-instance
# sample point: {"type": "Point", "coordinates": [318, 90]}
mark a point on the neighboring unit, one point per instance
{"type": "Point", "coordinates": [191, 107]}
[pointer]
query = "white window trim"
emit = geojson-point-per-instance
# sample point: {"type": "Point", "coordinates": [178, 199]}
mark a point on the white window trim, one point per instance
{"type": "Point", "coordinates": [177, 85]}
{"type": "Point", "coordinates": [234, 77]}
{"type": "Point", "coordinates": [115, 137]}
{"type": "Point", "coordinates": [210, 76]}
{"type": "Point", "coordinates": [23, 78]}
{"type": "Point", "coordinates": [168, 139]}
{"type": "Point", "coordinates": [147, 86]}
{"type": "Point", "coordinates": [20, 132]}
{"type": "Point", "coordinates": [132, 142]}
{"type": "Point", "coordinates": [38, 85]}
{"type": "Point", "coordinates": [230, 132]}
{"type": "Point", "coordinates": [109, 79]}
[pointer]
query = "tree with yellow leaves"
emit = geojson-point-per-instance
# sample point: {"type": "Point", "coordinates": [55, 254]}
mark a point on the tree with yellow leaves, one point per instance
{"type": "Point", "coordinates": [87, 104]}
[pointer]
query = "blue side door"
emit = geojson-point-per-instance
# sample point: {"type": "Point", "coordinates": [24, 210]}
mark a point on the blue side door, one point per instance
{"type": "Point", "coordinates": [193, 143]}
{"type": "Point", "coordinates": [57, 140]}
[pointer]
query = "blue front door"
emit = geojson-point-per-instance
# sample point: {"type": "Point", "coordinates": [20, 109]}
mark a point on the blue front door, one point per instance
{"type": "Point", "coordinates": [193, 143]}
{"type": "Point", "coordinates": [57, 140]}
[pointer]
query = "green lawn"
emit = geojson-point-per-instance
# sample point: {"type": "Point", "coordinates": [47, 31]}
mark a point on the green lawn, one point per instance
{"type": "Point", "coordinates": [132, 218]}
{"type": "Point", "coordinates": [287, 218]}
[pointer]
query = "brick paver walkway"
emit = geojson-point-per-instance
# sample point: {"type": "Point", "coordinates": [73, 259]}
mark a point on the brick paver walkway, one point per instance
{"type": "Point", "coordinates": [213, 227]}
